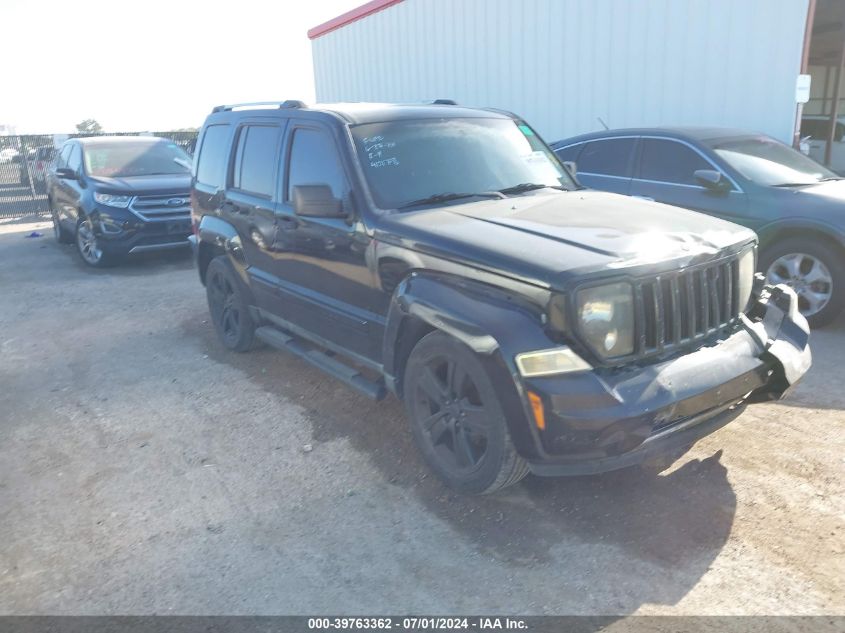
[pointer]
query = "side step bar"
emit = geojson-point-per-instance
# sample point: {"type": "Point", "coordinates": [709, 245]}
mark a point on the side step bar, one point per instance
{"type": "Point", "coordinates": [351, 376]}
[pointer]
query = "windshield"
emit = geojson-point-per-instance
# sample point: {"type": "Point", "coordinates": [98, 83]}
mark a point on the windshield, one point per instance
{"type": "Point", "coordinates": [411, 160]}
{"type": "Point", "coordinates": [134, 158]}
{"type": "Point", "coordinates": [769, 162]}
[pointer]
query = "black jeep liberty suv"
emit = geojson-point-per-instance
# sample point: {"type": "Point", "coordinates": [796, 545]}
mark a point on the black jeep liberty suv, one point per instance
{"type": "Point", "coordinates": [444, 254]}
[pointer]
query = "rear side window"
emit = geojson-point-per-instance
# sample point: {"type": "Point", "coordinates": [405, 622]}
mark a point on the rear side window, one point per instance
{"type": "Point", "coordinates": [314, 161]}
{"type": "Point", "coordinates": [570, 153]}
{"type": "Point", "coordinates": [213, 156]}
{"type": "Point", "coordinates": [256, 159]}
{"type": "Point", "coordinates": [610, 157]}
{"type": "Point", "coordinates": [670, 161]}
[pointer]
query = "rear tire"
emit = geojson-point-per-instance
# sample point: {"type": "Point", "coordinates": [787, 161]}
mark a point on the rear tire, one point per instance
{"type": "Point", "coordinates": [228, 306]}
{"type": "Point", "coordinates": [814, 269]}
{"type": "Point", "coordinates": [457, 419]}
{"type": "Point", "coordinates": [62, 235]}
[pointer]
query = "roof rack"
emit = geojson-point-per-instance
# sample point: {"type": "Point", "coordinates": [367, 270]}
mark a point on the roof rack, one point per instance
{"type": "Point", "coordinates": [290, 103]}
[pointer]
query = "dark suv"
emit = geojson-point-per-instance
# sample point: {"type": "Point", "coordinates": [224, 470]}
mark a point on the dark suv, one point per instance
{"type": "Point", "coordinates": [444, 254]}
{"type": "Point", "coordinates": [116, 195]}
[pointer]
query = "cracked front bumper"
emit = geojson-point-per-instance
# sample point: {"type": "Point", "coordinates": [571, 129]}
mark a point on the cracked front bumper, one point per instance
{"type": "Point", "coordinates": [601, 421]}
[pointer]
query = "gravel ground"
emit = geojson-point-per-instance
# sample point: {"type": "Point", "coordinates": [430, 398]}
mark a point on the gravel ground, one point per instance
{"type": "Point", "coordinates": [143, 469]}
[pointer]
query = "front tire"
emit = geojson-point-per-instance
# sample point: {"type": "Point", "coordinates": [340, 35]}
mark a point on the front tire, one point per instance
{"type": "Point", "coordinates": [228, 306]}
{"type": "Point", "coordinates": [88, 246]}
{"type": "Point", "coordinates": [814, 269]}
{"type": "Point", "coordinates": [456, 418]}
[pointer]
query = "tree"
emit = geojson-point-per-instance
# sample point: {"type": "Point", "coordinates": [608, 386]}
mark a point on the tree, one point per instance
{"type": "Point", "coordinates": [89, 126]}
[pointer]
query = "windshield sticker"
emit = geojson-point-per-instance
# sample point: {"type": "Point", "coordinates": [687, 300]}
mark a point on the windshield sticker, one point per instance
{"type": "Point", "coordinates": [526, 130]}
{"type": "Point", "coordinates": [377, 151]}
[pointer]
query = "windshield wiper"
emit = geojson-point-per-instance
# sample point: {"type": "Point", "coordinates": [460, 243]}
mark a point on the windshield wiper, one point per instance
{"type": "Point", "coordinates": [530, 186]}
{"type": "Point", "coordinates": [831, 178]}
{"type": "Point", "coordinates": [447, 197]}
{"type": "Point", "coordinates": [796, 184]}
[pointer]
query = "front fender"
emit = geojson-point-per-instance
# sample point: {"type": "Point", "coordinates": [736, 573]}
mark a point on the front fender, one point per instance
{"type": "Point", "coordinates": [793, 225]}
{"type": "Point", "coordinates": [493, 323]}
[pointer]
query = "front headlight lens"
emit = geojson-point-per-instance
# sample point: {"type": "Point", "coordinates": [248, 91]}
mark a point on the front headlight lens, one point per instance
{"type": "Point", "coordinates": [747, 264]}
{"type": "Point", "coordinates": [112, 200]}
{"type": "Point", "coordinates": [549, 362]}
{"type": "Point", "coordinates": [606, 319]}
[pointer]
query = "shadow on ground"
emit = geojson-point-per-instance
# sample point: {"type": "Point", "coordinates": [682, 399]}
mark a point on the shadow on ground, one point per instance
{"type": "Point", "coordinates": [679, 519]}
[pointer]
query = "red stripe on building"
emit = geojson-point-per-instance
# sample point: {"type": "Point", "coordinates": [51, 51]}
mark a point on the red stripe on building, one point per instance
{"type": "Point", "coordinates": [350, 16]}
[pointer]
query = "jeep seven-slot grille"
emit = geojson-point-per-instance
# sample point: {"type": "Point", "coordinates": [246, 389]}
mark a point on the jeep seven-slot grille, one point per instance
{"type": "Point", "coordinates": [167, 207]}
{"type": "Point", "coordinates": [676, 309]}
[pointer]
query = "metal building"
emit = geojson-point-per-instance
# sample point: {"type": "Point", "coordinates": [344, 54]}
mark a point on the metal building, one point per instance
{"type": "Point", "coordinates": [567, 64]}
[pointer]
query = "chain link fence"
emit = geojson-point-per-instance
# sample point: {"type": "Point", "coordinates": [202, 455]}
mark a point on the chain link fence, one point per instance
{"type": "Point", "coordinates": [25, 160]}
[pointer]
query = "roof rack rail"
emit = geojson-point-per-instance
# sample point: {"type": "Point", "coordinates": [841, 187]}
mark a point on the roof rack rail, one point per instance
{"type": "Point", "coordinates": [444, 102]}
{"type": "Point", "coordinates": [290, 103]}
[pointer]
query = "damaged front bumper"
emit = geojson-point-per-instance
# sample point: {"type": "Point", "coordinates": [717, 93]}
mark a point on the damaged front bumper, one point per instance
{"type": "Point", "coordinates": [600, 421]}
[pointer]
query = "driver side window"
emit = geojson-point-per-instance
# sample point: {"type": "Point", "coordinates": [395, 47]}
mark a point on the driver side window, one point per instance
{"type": "Point", "coordinates": [74, 161]}
{"type": "Point", "coordinates": [314, 160]}
{"type": "Point", "coordinates": [670, 162]}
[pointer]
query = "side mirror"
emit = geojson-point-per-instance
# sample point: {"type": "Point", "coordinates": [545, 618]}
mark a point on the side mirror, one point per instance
{"type": "Point", "coordinates": [712, 179]}
{"type": "Point", "coordinates": [317, 201]}
{"type": "Point", "coordinates": [572, 169]}
{"type": "Point", "coordinates": [66, 173]}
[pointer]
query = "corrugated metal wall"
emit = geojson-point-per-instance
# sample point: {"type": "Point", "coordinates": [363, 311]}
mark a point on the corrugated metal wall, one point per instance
{"type": "Point", "coordinates": [563, 63]}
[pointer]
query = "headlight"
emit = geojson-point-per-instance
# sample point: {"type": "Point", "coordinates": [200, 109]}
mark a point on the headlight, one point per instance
{"type": "Point", "coordinates": [550, 361]}
{"type": "Point", "coordinates": [111, 200]}
{"type": "Point", "coordinates": [747, 264]}
{"type": "Point", "coordinates": [606, 319]}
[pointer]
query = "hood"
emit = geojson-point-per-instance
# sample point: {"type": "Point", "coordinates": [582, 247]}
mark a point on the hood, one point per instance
{"type": "Point", "coordinates": [548, 238]}
{"type": "Point", "coordinates": [143, 185]}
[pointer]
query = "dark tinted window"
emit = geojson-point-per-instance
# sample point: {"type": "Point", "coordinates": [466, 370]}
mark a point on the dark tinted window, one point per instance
{"type": "Point", "coordinates": [255, 161]}
{"type": "Point", "coordinates": [570, 153]}
{"type": "Point", "coordinates": [214, 155]}
{"type": "Point", "coordinates": [313, 161]}
{"type": "Point", "coordinates": [611, 157]}
{"type": "Point", "coordinates": [74, 161]}
{"type": "Point", "coordinates": [670, 161]}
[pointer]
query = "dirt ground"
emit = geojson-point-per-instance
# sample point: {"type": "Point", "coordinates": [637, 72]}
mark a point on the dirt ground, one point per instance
{"type": "Point", "coordinates": [143, 469]}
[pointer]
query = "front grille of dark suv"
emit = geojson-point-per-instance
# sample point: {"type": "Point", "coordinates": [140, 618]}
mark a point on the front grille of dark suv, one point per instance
{"type": "Point", "coordinates": [169, 207]}
{"type": "Point", "coordinates": [675, 310]}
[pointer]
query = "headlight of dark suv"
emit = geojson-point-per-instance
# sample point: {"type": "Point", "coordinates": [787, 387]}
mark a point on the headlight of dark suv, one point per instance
{"type": "Point", "coordinates": [606, 319]}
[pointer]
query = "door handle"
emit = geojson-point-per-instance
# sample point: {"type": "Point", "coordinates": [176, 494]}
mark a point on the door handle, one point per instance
{"type": "Point", "coordinates": [230, 207]}
{"type": "Point", "coordinates": [287, 222]}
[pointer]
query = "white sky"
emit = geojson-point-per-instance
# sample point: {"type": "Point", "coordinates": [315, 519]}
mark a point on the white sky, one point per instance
{"type": "Point", "coordinates": [151, 64]}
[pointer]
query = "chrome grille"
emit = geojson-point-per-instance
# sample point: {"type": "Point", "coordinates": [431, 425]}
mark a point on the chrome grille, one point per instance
{"type": "Point", "coordinates": [676, 309]}
{"type": "Point", "coordinates": [163, 207]}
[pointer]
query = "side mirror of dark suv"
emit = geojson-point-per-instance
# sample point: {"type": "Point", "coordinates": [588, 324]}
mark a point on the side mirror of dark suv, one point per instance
{"type": "Point", "coordinates": [66, 173]}
{"type": "Point", "coordinates": [317, 201]}
{"type": "Point", "coordinates": [712, 179]}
